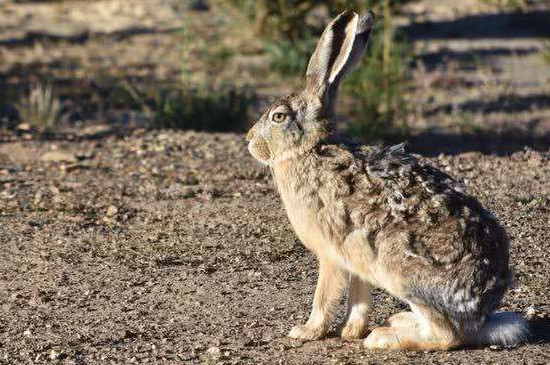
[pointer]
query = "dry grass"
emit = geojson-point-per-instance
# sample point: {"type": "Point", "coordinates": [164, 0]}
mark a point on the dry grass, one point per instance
{"type": "Point", "coordinates": [545, 52]}
{"type": "Point", "coordinates": [41, 108]}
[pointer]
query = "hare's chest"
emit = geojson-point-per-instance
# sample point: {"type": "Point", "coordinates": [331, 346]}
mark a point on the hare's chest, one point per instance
{"type": "Point", "coordinates": [303, 218]}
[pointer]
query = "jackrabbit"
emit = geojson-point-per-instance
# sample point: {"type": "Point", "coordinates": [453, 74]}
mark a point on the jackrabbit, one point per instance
{"type": "Point", "coordinates": [377, 217]}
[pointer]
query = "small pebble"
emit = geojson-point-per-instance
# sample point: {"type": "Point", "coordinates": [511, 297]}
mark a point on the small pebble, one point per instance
{"type": "Point", "coordinates": [112, 211]}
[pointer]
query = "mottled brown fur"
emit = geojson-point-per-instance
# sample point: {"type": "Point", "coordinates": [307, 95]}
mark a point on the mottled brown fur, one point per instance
{"type": "Point", "coordinates": [379, 217]}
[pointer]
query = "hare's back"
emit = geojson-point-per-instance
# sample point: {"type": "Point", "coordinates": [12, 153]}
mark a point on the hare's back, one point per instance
{"type": "Point", "coordinates": [450, 250]}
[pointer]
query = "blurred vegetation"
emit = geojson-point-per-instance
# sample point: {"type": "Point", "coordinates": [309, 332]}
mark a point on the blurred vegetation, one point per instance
{"type": "Point", "coordinates": [292, 20]}
{"type": "Point", "coordinates": [218, 109]}
{"type": "Point", "coordinates": [376, 90]}
{"type": "Point", "coordinates": [545, 52]}
{"type": "Point", "coordinates": [289, 29]}
{"type": "Point", "coordinates": [509, 4]}
{"type": "Point", "coordinates": [205, 108]}
{"type": "Point", "coordinates": [290, 58]}
{"type": "Point", "coordinates": [41, 108]}
{"type": "Point", "coordinates": [374, 95]}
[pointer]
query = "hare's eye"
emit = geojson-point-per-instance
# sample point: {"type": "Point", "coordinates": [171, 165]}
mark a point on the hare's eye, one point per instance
{"type": "Point", "coordinates": [278, 117]}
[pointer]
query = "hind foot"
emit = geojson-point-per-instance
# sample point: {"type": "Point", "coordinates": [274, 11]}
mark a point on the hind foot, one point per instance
{"type": "Point", "coordinates": [403, 320]}
{"type": "Point", "coordinates": [392, 338]}
{"type": "Point", "coordinates": [382, 338]}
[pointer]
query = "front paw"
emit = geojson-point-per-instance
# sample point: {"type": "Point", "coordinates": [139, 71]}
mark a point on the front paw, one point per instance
{"type": "Point", "coordinates": [354, 329]}
{"type": "Point", "coordinates": [307, 332]}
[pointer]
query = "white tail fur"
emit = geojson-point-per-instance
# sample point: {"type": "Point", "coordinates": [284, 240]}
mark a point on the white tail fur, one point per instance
{"type": "Point", "coordinates": [503, 329]}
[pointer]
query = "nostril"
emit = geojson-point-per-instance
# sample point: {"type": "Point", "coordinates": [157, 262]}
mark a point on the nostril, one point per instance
{"type": "Point", "coordinates": [249, 136]}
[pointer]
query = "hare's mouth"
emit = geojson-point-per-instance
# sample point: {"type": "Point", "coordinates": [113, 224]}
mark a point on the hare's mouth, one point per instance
{"type": "Point", "coordinates": [259, 149]}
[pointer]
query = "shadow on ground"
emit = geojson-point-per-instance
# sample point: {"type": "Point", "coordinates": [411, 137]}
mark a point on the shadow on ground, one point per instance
{"type": "Point", "coordinates": [504, 103]}
{"type": "Point", "coordinates": [502, 25]}
{"type": "Point", "coordinates": [503, 143]}
{"type": "Point", "coordinates": [32, 38]}
{"type": "Point", "coordinates": [467, 59]}
{"type": "Point", "coordinates": [540, 330]}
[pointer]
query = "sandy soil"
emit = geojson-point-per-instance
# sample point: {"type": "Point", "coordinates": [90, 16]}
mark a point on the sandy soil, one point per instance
{"type": "Point", "coordinates": [171, 247]}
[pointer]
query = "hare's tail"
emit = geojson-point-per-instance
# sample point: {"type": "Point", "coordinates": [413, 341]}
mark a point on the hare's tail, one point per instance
{"type": "Point", "coordinates": [503, 329]}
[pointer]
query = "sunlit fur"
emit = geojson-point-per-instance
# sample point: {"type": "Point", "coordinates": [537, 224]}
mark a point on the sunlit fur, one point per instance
{"type": "Point", "coordinates": [378, 217]}
{"type": "Point", "coordinates": [270, 141]}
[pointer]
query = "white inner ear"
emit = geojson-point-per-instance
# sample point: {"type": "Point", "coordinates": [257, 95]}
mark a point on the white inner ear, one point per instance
{"type": "Point", "coordinates": [345, 51]}
{"type": "Point", "coordinates": [324, 58]}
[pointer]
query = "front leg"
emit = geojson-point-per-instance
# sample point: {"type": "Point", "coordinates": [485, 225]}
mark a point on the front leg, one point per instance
{"type": "Point", "coordinates": [329, 287]}
{"type": "Point", "coordinates": [359, 305]}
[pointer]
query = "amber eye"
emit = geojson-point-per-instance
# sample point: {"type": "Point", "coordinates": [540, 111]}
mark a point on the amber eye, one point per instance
{"type": "Point", "coordinates": [278, 117]}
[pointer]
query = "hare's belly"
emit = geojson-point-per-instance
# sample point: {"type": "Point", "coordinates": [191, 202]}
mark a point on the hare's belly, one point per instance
{"type": "Point", "coordinates": [363, 260]}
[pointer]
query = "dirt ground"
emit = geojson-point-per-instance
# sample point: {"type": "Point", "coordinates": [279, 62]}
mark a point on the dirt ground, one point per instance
{"type": "Point", "coordinates": [120, 245]}
{"type": "Point", "coordinates": [171, 247]}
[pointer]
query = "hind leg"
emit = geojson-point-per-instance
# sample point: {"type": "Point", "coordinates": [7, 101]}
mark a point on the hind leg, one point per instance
{"type": "Point", "coordinates": [403, 320]}
{"type": "Point", "coordinates": [434, 331]}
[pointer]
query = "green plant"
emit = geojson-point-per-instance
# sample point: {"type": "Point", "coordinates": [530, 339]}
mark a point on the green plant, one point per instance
{"type": "Point", "coordinates": [509, 4]}
{"type": "Point", "coordinates": [289, 58]}
{"type": "Point", "coordinates": [289, 30]}
{"type": "Point", "coordinates": [41, 109]}
{"type": "Point", "coordinates": [377, 89]}
{"type": "Point", "coordinates": [290, 19]}
{"type": "Point", "coordinates": [206, 108]}
{"type": "Point", "coordinates": [545, 52]}
{"type": "Point", "coordinates": [467, 123]}
{"type": "Point", "coordinates": [215, 59]}
{"type": "Point", "coordinates": [207, 105]}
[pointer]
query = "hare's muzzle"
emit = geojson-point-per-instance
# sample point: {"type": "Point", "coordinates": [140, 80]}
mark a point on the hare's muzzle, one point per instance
{"type": "Point", "coordinates": [259, 148]}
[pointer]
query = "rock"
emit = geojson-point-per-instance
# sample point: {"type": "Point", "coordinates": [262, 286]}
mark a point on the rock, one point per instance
{"type": "Point", "coordinates": [531, 312]}
{"type": "Point", "coordinates": [111, 211]}
{"type": "Point", "coordinates": [96, 131]}
{"type": "Point", "coordinates": [58, 156]}
{"type": "Point", "coordinates": [54, 355]}
{"type": "Point", "coordinates": [24, 127]}
{"type": "Point", "coordinates": [176, 191]}
{"type": "Point", "coordinates": [214, 352]}
{"type": "Point", "coordinates": [88, 155]}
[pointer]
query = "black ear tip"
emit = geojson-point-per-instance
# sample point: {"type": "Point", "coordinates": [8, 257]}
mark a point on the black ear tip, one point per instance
{"type": "Point", "coordinates": [366, 21]}
{"type": "Point", "coordinates": [346, 15]}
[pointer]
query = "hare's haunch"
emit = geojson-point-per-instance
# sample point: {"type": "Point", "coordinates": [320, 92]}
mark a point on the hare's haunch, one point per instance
{"type": "Point", "coordinates": [379, 217]}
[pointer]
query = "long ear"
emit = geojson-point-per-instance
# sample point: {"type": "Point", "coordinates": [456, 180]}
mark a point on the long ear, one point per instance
{"type": "Point", "coordinates": [338, 51]}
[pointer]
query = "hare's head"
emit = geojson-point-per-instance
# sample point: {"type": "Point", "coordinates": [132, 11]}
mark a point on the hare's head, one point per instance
{"type": "Point", "coordinates": [296, 123]}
